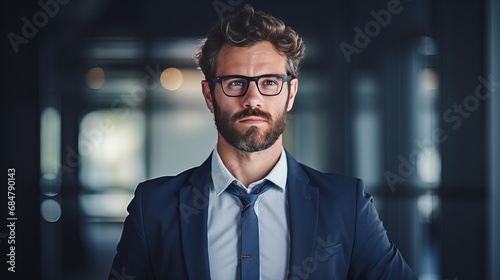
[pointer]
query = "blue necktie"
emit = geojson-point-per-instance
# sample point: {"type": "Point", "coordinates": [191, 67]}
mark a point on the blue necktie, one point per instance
{"type": "Point", "coordinates": [249, 263]}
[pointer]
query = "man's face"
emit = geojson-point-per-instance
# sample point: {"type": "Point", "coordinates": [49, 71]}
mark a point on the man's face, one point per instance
{"type": "Point", "coordinates": [252, 122]}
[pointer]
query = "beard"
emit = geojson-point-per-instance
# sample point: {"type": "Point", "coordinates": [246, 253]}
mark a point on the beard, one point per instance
{"type": "Point", "coordinates": [253, 139]}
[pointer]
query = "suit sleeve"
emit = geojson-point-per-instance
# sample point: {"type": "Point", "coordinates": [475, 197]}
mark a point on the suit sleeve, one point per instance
{"type": "Point", "coordinates": [374, 255]}
{"type": "Point", "coordinates": [132, 260]}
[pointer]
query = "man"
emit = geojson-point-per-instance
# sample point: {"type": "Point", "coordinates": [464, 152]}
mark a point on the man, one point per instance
{"type": "Point", "coordinates": [250, 211]}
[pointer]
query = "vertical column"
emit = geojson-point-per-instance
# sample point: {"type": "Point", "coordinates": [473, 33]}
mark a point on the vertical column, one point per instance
{"type": "Point", "coordinates": [494, 138]}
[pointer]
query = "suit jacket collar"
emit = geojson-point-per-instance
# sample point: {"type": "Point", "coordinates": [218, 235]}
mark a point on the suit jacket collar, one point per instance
{"type": "Point", "coordinates": [193, 207]}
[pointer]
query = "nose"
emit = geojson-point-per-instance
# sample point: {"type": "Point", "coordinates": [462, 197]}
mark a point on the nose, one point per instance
{"type": "Point", "coordinates": [253, 98]}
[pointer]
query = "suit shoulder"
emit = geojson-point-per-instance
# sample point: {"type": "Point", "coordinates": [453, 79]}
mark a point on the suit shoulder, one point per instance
{"type": "Point", "coordinates": [320, 178]}
{"type": "Point", "coordinates": [337, 177]}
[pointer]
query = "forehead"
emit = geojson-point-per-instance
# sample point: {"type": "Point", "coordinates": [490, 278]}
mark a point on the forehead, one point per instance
{"type": "Point", "coordinates": [261, 58]}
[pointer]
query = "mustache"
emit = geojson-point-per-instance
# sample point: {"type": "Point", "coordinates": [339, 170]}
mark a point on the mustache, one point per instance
{"type": "Point", "coordinates": [251, 113]}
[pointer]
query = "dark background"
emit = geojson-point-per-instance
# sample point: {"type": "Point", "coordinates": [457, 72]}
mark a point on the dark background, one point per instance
{"type": "Point", "coordinates": [459, 239]}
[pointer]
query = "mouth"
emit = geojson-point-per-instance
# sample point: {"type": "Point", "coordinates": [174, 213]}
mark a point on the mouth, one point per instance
{"type": "Point", "coordinates": [252, 120]}
{"type": "Point", "coordinates": [251, 117]}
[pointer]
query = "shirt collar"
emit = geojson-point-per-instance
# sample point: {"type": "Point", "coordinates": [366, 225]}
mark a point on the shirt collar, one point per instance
{"type": "Point", "coordinates": [222, 177]}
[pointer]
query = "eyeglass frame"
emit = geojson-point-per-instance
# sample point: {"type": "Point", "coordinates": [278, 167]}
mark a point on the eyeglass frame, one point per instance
{"type": "Point", "coordinates": [284, 78]}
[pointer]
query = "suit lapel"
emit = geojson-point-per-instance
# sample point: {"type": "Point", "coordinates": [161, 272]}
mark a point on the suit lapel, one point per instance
{"type": "Point", "coordinates": [193, 207]}
{"type": "Point", "coordinates": [303, 213]}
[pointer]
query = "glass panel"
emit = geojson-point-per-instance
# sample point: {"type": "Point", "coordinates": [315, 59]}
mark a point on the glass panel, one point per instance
{"type": "Point", "coordinates": [180, 139]}
{"type": "Point", "coordinates": [112, 150]}
{"type": "Point", "coordinates": [367, 128]}
{"type": "Point", "coordinates": [111, 147]}
{"type": "Point", "coordinates": [50, 151]}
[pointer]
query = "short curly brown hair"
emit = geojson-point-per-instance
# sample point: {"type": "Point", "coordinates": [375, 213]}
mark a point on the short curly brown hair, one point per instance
{"type": "Point", "coordinates": [245, 29]}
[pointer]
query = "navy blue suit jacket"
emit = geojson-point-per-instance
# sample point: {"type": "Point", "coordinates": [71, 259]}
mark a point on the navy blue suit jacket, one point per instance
{"type": "Point", "coordinates": [335, 231]}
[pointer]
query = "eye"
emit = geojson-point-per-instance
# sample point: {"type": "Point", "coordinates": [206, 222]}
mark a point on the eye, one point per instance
{"type": "Point", "coordinates": [269, 82]}
{"type": "Point", "coordinates": [235, 83]}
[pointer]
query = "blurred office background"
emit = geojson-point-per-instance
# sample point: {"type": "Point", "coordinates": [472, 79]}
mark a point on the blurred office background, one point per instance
{"type": "Point", "coordinates": [100, 95]}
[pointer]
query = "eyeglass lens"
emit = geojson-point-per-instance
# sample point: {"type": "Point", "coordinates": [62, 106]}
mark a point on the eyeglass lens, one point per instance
{"type": "Point", "coordinates": [267, 85]}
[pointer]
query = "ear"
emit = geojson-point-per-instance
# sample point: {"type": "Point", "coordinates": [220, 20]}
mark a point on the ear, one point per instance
{"type": "Point", "coordinates": [205, 88]}
{"type": "Point", "coordinates": [294, 86]}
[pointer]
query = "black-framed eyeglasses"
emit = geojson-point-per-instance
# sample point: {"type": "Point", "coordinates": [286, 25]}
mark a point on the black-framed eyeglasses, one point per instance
{"type": "Point", "coordinates": [237, 85]}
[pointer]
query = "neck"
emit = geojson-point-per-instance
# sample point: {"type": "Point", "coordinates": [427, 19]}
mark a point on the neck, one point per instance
{"type": "Point", "coordinates": [249, 167]}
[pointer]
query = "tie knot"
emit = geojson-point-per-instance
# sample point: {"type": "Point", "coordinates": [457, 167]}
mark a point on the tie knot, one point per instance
{"type": "Point", "coordinates": [248, 199]}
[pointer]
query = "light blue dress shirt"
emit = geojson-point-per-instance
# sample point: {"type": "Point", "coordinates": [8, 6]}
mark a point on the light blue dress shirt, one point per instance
{"type": "Point", "coordinates": [224, 224]}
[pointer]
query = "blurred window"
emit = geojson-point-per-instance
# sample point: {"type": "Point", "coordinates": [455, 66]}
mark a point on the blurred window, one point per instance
{"type": "Point", "coordinates": [111, 146]}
